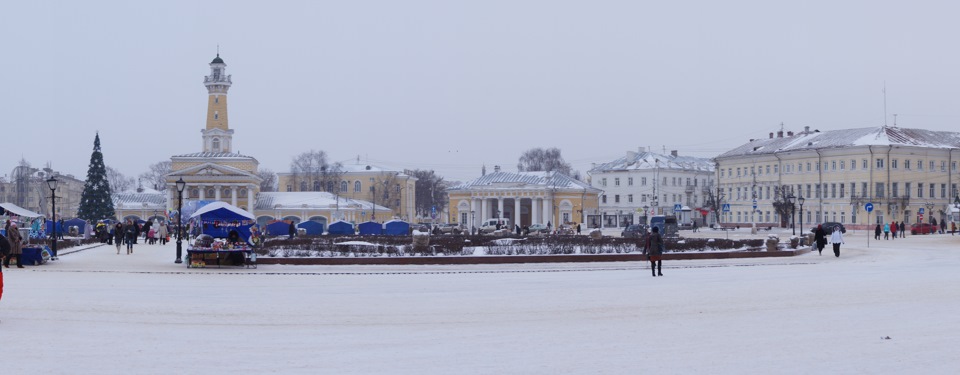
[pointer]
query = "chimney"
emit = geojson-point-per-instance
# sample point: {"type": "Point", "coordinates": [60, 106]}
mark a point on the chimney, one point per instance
{"type": "Point", "coordinates": [789, 134]}
{"type": "Point", "coordinates": [631, 156]}
{"type": "Point", "coordinates": [780, 134]}
{"type": "Point", "coordinates": [673, 153]}
{"type": "Point", "coordinates": [806, 129]}
{"type": "Point", "coordinates": [641, 149]}
{"type": "Point", "coordinates": [496, 168]}
{"type": "Point", "coordinates": [771, 135]}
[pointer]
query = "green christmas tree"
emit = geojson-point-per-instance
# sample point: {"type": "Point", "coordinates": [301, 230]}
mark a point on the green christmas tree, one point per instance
{"type": "Point", "coordinates": [96, 203]}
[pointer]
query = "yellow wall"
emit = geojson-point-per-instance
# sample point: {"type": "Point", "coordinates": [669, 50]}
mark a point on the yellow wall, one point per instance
{"type": "Point", "coordinates": [217, 104]}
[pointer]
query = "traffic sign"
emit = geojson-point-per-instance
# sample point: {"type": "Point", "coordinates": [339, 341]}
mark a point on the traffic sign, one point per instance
{"type": "Point", "coordinates": [754, 204]}
{"type": "Point", "coordinates": [920, 210]}
{"type": "Point", "coordinates": [869, 207]}
{"type": "Point", "coordinates": [677, 208]}
{"type": "Point", "coordinates": [726, 207]}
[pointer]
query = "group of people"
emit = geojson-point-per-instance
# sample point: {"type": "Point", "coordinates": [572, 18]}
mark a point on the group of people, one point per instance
{"type": "Point", "coordinates": [890, 228]}
{"type": "Point", "coordinates": [820, 239]}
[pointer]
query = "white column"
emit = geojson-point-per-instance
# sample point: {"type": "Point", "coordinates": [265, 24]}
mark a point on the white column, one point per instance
{"type": "Point", "coordinates": [534, 216]}
{"type": "Point", "coordinates": [499, 207]}
{"type": "Point", "coordinates": [203, 191]}
{"type": "Point", "coordinates": [216, 192]}
{"type": "Point", "coordinates": [233, 195]}
{"type": "Point", "coordinates": [516, 211]}
{"type": "Point", "coordinates": [250, 202]}
{"type": "Point", "coordinates": [170, 197]}
{"type": "Point", "coordinates": [548, 212]}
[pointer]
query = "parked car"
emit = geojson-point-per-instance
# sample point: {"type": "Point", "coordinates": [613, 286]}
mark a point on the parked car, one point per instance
{"type": "Point", "coordinates": [450, 228]}
{"type": "Point", "coordinates": [923, 228]}
{"type": "Point", "coordinates": [490, 225]}
{"type": "Point", "coordinates": [566, 229]}
{"type": "Point", "coordinates": [538, 228]}
{"type": "Point", "coordinates": [634, 231]}
{"type": "Point", "coordinates": [828, 227]}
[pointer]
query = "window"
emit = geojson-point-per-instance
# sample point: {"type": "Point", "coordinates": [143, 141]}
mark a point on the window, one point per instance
{"type": "Point", "coordinates": [630, 198]}
{"type": "Point", "coordinates": [616, 198]}
{"type": "Point", "coordinates": [289, 187]}
{"type": "Point", "coordinates": [894, 189]}
{"type": "Point", "coordinates": [864, 163]}
{"type": "Point", "coordinates": [330, 186]}
{"type": "Point", "coordinates": [943, 166]}
{"type": "Point", "coordinates": [879, 190]}
{"type": "Point", "coordinates": [316, 186]}
{"type": "Point", "coordinates": [242, 192]}
{"type": "Point", "coordinates": [853, 164]}
{"type": "Point", "coordinates": [931, 166]}
{"type": "Point", "coordinates": [817, 190]}
{"type": "Point", "coordinates": [808, 191]}
{"type": "Point", "coordinates": [841, 189]}
{"type": "Point", "coordinates": [216, 115]}
{"type": "Point", "coordinates": [603, 198]}
{"type": "Point", "coordinates": [808, 167]}
{"type": "Point", "coordinates": [643, 181]}
{"type": "Point", "coordinates": [919, 190]}
{"type": "Point", "coordinates": [396, 189]}
{"type": "Point", "coordinates": [738, 172]}
{"type": "Point", "coordinates": [343, 186]}
{"type": "Point", "coordinates": [853, 189]}
{"type": "Point", "coordinates": [864, 190]}
{"type": "Point", "coordinates": [919, 165]}
{"type": "Point", "coordinates": [932, 190]}
{"type": "Point", "coordinates": [879, 163]}
{"type": "Point", "coordinates": [768, 169]}
{"type": "Point", "coordinates": [722, 173]}
{"type": "Point", "coordinates": [216, 100]}
{"type": "Point", "coordinates": [943, 190]}
{"type": "Point", "coordinates": [616, 181]}
{"type": "Point", "coordinates": [893, 164]}
{"type": "Point", "coordinates": [226, 192]}
{"type": "Point", "coordinates": [303, 186]}
{"type": "Point", "coordinates": [906, 164]}
{"type": "Point", "coordinates": [953, 188]}
{"type": "Point", "coordinates": [776, 168]}
{"type": "Point", "coordinates": [216, 145]}
{"type": "Point", "coordinates": [603, 182]}
{"type": "Point", "coordinates": [688, 181]}
{"type": "Point", "coordinates": [842, 164]}
{"type": "Point", "coordinates": [833, 165]}
{"type": "Point", "coordinates": [629, 181]}
{"type": "Point", "coordinates": [753, 171]}
{"type": "Point", "coordinates": [833, 190]}
{"type": "Point", "coordinates": [953, 166]}
{"type": "Point", "coordinates": [906, 189]}
{"type": "Point", "coordinates": [356, 187]}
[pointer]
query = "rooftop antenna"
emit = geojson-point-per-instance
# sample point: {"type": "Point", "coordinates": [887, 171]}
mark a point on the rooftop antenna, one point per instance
{"type": "Point", "coordinates": [884, 103]}
{"type": "Point", "coordinates": [781, 126]}
{"type": "Point", "coordinates": [218, 49]}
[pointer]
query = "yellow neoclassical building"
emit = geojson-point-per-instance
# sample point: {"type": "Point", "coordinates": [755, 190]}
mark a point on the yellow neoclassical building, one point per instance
{"type": "Point", "coordinates": [218, 173]}
{"type": "Point", "coordinates": [391, 189]}
{"type": "Point", "coordinates": [905, 173]}
{"type": "Point", "coordinates": [523, 198]}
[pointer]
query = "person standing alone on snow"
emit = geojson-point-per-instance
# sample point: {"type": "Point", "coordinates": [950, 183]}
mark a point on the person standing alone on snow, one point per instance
{"type": "Point", "coordinates": [820, 238]}
{"type": "Point", "coordinates": [130, 235]}
{"type": "Point", "coordinates": [654, 250]}
{"type": "Point", "coordinates": [836, 238]}
{"type": "Point", "coordinates": [876, 232]}
{"type": "Point", "coordinates": [15, 240]}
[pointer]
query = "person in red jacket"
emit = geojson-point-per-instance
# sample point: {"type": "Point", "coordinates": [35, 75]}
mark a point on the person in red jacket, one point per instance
{"type": "Point", "coordinates": [4, 252]}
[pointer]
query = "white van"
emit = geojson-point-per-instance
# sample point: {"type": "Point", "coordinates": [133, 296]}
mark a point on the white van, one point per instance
{"type": "Point", "coordinates": [490, 225]}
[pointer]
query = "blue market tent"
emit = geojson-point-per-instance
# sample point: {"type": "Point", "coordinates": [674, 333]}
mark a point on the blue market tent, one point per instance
{"type": "Point", "coordinates": [396, 228]}
{"type": "Point", "coordinates": [278, 228]}
{"type": "Point", "coordinates": [313, 228]}
{"type": "Point", "coordinates": [340, 227]}
{"type": "Point", "coordinates": [370, 227]}
{"type": "Point", "coordinates": [79, 223]}
{"type": "Point", "coordinates": [219, 218]}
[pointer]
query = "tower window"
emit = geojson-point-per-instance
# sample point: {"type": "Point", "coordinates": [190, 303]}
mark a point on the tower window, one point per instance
{"type": "Point", "coordinates": [216, 115]}
{"type": "Point", "coordinates": [216, 100]}
{"type": "Point", "coordinates": [216, 144]}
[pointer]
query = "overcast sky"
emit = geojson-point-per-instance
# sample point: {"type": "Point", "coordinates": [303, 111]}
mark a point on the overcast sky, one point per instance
{"type": "Point", "coordinates": [454, 85]}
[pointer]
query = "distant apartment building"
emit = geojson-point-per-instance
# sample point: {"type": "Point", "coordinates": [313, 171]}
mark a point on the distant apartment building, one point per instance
{"type": "Point", "coordinates": [904, 173]}
{"type": "Point", "coordinates": [642, 184]}
{"type": "Point", "coordinates": [27, 187]}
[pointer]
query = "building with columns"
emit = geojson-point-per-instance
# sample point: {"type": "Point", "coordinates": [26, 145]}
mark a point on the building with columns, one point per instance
{"type": "Point", "coordinates": [217, 173]}
{"type": "Point", "coordinates": [523, 198]}
{"type": "Point", "coordinates": [642, 184]}
{"type": "Point", "coordinates": [901, 171]}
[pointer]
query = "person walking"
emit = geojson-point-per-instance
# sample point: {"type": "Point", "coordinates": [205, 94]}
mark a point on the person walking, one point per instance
{"type": "Point", "coordinates": [902, 228]}
{"type": "Point", "coordinates": [578, 229]}
{"type": "Point", "coordinates": [943, 226]}
{"type": "Point", "coordinates": [953, 228]}
{"type": "Point", "coordinates": [820, 238]}
{"type": "Point", "coordinates": [886, 231]}
{"type": "Point", "coordinates": [876, 232]}
{"type": "Point", "coordinates": [163, 233]}
{"type": "Point", "coordinates": [893, 230]}
{"type": "Point", "coordinates": [16, 246]}
{"type": "Point", "coordinates": [654, 250]}
{"type": "Point", "coordinates": [836, 239]}
{"type": "Point", "coordinates": [130, 233]}
{"type": "Point", "coordinates": [293, 230]}
{"type": "Point", "coordinates": [118, 236]}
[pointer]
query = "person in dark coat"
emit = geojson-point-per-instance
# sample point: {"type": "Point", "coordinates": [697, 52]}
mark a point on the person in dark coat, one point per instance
{"type": "Point", "coordinates": [16, 243]}
{"type": "Point", "coordinates": [4, 252]}
{"type": "Point", "coordinates": [130, 233]}
{"type": "Point", "coordinates": [943, 226]}
{"type": "Point", "coordinates": [518, 229]}
{"type": "Point", "coordinates": [876, 232]}
{"type": "Point", "coordinates": [118, 236]}
{"type": "Point", "coordinates": [578, 228]}
{"type": "Point", "coordinates": [654, 250]}
{"type": "Point", "coordinates": [902, 229]}
{"type": "Point", "coordinates": [293, 229]}
{"type": "Point", "coordinates": [820, 238]}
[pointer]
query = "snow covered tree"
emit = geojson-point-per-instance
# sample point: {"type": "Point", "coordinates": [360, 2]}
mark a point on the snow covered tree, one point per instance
{"type": "Point", "coordinates": [156, 177]}
{"type": "Point", "coordinates": [96, 202]}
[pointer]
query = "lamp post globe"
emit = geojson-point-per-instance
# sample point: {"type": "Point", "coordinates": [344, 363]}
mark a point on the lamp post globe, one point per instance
{"type": "Point", "coordinates": [52, 184]}
{"type": "Point", "coordinates": [180, 186]}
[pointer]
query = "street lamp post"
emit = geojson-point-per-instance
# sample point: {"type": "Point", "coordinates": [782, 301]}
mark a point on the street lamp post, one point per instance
{"type": "Point", "coordinates": [793, 213]}
{"type": "Point", "coordinates": [52, 184]}
{"type": "Point", "coordinates": [473, 222]}
{"type": "Point", "coordinates": [180, 186]}
{"type": "Point", "coordinates": [646, 211]}
{"type": "Point", "coordinates": [800, 200]}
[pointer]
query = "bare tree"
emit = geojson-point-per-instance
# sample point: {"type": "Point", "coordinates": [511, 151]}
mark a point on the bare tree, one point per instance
{"type": "Point", "coordinates": [549, 160]}
{"type": "Point", "coordinates": [715, 202]}
{"type": "Point", "coordinates": [781, 205]}
{"type": "Point", "coordinates": [269, 179]}
{"type": "Point", "coordinates": [155, 177]}
{"type": "Point", "coordinates": [431, 192]}
{"type": "Point", "coordinates": [312, 171]}
{"type": "Point", "coordinates": [118, 182]}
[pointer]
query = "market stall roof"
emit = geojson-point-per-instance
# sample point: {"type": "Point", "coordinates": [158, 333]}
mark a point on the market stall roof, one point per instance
{"type": "Point", "coordinates": [17, 210]}
{"type": "Point", "coordinates": [212, 207]}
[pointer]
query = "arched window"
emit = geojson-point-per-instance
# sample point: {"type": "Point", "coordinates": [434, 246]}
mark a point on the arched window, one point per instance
{"type": "Point", "coordinates": [303, 186]}
{"type": "Point", "coordinates": [356, 187]}
{"type": "Point", "coordinates": [330, 186]}
{"type": "Point", "coordinates": [216, 145]}
{"type": "Point", "coordinates": [343, 186]}
{"type": "Point", "coordinates": [316, 186]}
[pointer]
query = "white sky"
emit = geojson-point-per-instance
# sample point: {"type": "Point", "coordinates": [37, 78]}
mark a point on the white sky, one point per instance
{"type": "Point", "coordinates": [451, 86]}
{"type": "Point", "coordinates": [96, 312]}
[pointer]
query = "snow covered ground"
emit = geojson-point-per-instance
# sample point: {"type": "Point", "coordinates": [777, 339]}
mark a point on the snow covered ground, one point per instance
{"type": "Point", "coordinates": [98, 312]}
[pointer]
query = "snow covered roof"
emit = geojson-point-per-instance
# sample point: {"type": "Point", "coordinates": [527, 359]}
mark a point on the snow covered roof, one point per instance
{"type": "Point", "coordinates": [17, 210]}
{"type": "Point", "coordinates": [524, 180]}
{"type": "Point", "coordinates": [310, 200]}
{"type": "Point", "coordinates": [213, 206]}
{"type": "Point", "coordinates": [219, 155]}
{"type": "Point", "coordinates": [650, 160]}
{"type": "Point", "coordinates": [873, 136]}
{"type": "Point", "coordinates": [131, 199]}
